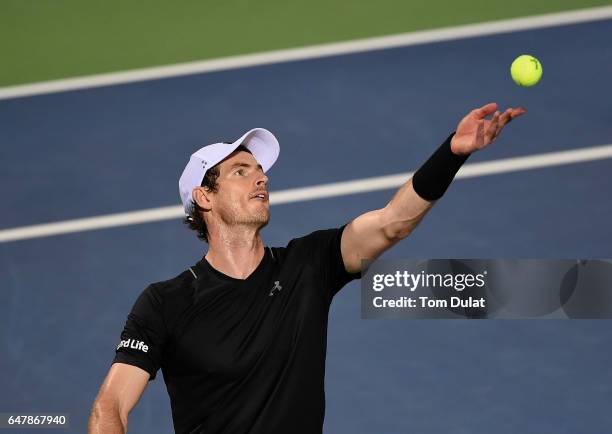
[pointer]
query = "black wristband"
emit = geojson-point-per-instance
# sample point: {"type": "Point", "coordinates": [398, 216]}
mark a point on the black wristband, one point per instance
{"type": "Point", "coordinates": [434, 177]}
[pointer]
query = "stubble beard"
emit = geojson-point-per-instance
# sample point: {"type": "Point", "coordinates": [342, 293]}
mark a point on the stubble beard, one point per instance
{"type": "Point", "coordinates": [240, 217]}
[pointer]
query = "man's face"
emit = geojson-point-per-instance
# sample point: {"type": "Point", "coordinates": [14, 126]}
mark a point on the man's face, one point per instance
{"type": "Point", "coordinates": [242, 197]}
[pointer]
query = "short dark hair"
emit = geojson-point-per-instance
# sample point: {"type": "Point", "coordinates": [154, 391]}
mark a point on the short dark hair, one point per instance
{"type": "Point", "coordinates": [195, 220]}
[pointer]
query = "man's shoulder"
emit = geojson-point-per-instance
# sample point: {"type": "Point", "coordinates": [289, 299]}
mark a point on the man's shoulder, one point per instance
{"type": "Point", "coordinates": [319, 235]}
{"type": "Point", "coordinates": [310, 243]}
{"type": "Point", "coordinates": [178, 286]}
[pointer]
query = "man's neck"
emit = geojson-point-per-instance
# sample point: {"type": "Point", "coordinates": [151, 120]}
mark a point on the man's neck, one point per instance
{"type": "Point", "coordinates": [236, 253]}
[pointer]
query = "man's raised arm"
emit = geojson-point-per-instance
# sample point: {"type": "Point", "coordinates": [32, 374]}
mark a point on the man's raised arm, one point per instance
{"type": "Point", "coordinates": [370, 234]}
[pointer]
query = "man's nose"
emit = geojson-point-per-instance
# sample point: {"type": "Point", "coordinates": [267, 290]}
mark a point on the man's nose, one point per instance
{"type": "Point", "coordinates": [262, 180]}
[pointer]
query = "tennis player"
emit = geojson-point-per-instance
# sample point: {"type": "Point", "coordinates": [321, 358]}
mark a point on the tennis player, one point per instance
{"type": "Point", "coordinates": [240, 336]}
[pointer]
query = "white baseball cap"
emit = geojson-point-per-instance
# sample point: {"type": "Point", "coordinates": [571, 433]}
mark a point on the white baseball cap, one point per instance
{"type": "Point", "coordinates": [261, 142]}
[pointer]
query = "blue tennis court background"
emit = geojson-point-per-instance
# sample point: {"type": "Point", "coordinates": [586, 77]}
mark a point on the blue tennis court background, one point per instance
{"type": "Point", "coordinates": [64, 299]}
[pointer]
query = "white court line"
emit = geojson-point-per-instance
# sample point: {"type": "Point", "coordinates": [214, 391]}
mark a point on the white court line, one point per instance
{"type": "Point", "coordinates": [310, 52]}
{"type": "Point", "coordinates": [310, 193]}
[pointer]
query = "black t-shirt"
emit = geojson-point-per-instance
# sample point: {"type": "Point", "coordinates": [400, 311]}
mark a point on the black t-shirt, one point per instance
{"type": "Point", "coordinates": [242, 356]}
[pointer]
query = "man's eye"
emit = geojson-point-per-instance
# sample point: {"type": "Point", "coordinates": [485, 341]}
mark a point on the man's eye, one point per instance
{"type": "Point", "coordinates": [240, 172]}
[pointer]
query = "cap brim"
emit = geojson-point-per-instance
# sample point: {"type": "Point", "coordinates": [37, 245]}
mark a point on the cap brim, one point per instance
{"type": "Point", "coordinates": [263, 145]}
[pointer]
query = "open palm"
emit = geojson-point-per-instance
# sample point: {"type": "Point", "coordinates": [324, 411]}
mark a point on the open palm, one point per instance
{"type": "Point", "coordinates": [474, 132]}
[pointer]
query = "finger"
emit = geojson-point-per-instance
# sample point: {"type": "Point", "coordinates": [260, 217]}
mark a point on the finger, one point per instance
{"type": "Point", "coordinates": [518, 112]}
{"type": "Point", "coordinates": [480, 135]}
{"type": "Point", "coordinates": [507, 117]}
{"type": "Point", "coordinates": [510, 114]}
{"type": "Point", "coordinates": [492, 129]}
{"type": "Point", "coordinates": [504, 119]}
{"type": "Point", "coordinates": [485, 110]}
{"type": "Point", "coordinates": [500, 127]}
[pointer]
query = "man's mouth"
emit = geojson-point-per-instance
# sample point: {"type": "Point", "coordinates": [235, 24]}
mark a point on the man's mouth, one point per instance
{"type": "Point", "coordinates": [260, 195]}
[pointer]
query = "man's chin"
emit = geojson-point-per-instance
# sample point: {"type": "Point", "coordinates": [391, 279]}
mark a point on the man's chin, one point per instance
{"type": "Point", "coordinates": [260, 219]}
{"type": "Point", "coordinates": [264, 223]}
{"type": "Point", "coordinates": [261, 215]}
{"type": "Point", "coordinates": [264, 219]}
{"type": "Point", "coordinates": [256, 217]}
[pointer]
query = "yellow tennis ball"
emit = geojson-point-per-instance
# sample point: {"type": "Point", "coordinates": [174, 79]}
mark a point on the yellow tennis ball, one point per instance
{"type": "Point", "coordinates": [526, 70]}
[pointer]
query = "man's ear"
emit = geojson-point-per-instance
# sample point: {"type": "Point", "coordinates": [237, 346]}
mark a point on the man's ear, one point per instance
{"type": "Point", "coordinates": [201, 197]}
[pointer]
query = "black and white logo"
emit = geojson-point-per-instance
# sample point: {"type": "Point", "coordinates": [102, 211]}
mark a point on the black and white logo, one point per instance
{"type": "Point", "coordinates": [277, 287]}
{"type": "Point", "coordinates": [134, 344]}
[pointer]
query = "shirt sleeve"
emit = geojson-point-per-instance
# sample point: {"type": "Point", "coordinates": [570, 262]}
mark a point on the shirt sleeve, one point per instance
{"type": "Point", "coordinates": [326, 252]}
{"type": "Point", "coordinates": [144, 334]}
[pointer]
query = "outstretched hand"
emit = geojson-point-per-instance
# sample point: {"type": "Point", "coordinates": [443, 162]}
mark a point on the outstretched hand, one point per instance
{"type": "Point", "coordinates": [474, 132]}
